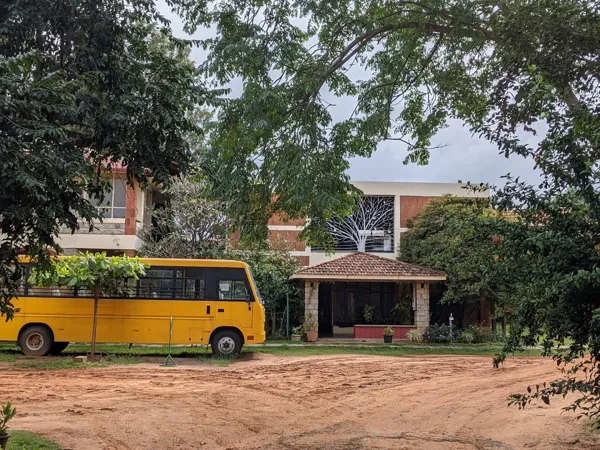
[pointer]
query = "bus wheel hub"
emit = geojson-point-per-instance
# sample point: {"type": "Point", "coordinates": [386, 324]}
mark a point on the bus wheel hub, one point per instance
{"type": "Point", "coordinates": [35, 341]}
{"type": "Point", "coordinates": [226, 345]}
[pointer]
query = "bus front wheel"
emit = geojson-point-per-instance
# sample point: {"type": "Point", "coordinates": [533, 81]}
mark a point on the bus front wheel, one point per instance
{"type": "Point", "coordinates": [36, 341]}
{"type": "Point", "coordinates": [226, 343]}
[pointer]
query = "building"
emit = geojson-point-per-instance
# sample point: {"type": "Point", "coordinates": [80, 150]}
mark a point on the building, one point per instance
{"type": "Point", "coordinates": [127, 220]}
{"type": "Point", "coordinates": [355, 290]}
{"type": "Point", "coordinates": [393, 203]}
{"type": "Point", "coordinates": [360, 288]}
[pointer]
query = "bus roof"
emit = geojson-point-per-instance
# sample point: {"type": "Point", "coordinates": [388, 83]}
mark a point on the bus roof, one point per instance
{"type": "Point", "coordinates": [178, 262]}
{"type": "Point", "coordinates": [182, 262]}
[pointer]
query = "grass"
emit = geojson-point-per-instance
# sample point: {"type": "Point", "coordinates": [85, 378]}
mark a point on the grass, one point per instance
{"type": "Point", "coordinates": [289, 350]}
{"type": "Point", "coordinates": [25, 440]}
{"type": "Point", "coordinates": [124, 354]}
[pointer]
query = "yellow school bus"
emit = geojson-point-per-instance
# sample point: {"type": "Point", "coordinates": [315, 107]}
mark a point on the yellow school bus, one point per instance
{"type": "Point", "coordinates": [212, 302]}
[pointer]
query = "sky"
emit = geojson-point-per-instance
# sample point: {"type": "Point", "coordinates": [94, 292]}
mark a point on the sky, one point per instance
{"type": "Point", "coordinates": [463, 157]}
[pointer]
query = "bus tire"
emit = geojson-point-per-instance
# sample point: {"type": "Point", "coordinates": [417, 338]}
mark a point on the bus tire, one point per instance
{"type": "Point", "coordinates": [226, 343]}
{"type": "Point", "coordinates": [36, 340]}
{"type": "Point", "coordinates": [58, 347]}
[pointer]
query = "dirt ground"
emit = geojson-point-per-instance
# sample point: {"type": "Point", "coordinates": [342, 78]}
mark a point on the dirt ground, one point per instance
{"type": "Point", "coordinates": [271, 402]}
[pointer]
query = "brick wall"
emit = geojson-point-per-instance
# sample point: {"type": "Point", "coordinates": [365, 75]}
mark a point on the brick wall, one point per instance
{"type": "Point", "coordinates": [130, 210]}
{"type": "Point", "coordinates": [410, 207]}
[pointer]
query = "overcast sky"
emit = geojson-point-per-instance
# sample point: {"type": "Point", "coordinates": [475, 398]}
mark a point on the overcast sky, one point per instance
{"type": "Point", "coordinates": [464, 157]}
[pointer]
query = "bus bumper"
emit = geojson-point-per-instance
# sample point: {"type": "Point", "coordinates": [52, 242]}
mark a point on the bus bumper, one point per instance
{"type": "Point", "coordinates": [259, 338]}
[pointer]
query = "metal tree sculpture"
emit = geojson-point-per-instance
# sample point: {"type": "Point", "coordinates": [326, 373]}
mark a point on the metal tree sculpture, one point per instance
{"type": "Point", "coordinates": [373, 218]}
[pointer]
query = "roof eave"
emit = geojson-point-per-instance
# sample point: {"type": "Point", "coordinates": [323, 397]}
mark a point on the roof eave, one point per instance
{"type": "Point", "coordinates": [301, 276]}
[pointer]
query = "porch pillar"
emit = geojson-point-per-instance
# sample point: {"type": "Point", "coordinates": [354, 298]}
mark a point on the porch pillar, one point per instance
{"type": "Point", "coordinates": [421, 299]}
{"type": "Point", "coordinates": [311, 299]}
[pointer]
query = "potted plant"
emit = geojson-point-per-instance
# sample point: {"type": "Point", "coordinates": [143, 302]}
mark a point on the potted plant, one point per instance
{"type": "Point", "coordinates": [297, 334]}
{"type": "Point", "coordinates": [310, 328]}
{"type": "Point", "coordinates": [388, 332]}
{"type": "Point", "coordinates": [7, 413]}
{"type": "Point", "coordinates": [414, 335]}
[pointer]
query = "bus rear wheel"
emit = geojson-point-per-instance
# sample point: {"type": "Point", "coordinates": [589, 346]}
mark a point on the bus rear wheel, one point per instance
{"type": "Point", "coordinates": [58, 347]}
{"type": "Point", "coordinates": [226, 343]}
{"type": "Point", "coordinates": [36, 341]}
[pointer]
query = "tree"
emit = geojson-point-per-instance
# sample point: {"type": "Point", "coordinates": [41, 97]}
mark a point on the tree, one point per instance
{"type": "Point", "coordinates": [190, 226]}
{"type": "Point", "coordinates": [102, 275]}
{"type": "Point", "coordinates": [84, 85]}
{"type": "Point", "coordinates": [271, 270]}
{"type": "Point", "coordinates": [460, 236]}
{"type": "Point", "coordinates": [498, 67]}
{"type": "Point", "coordinates": [502, 68]}
{"type": "Point", "coordinates": [373, 217]}
{"type": "Point", "coordinates": [556, 291]}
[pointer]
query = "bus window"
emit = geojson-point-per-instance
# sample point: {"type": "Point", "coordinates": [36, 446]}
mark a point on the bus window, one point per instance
{"type": "Point", "coordinates": [232, 290]}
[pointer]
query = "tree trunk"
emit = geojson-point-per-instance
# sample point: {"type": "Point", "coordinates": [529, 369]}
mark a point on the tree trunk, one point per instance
{"type": "Point", "coordinates": [95, 325]}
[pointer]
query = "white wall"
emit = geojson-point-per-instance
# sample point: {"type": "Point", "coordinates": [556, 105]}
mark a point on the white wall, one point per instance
{"type": "Point", "coordinates": [417, 189]}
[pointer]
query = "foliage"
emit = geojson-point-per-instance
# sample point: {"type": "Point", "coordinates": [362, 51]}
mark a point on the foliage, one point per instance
{"type": "Point", "coordinates": [504, 69]}
{"type": "Point", "coordinates": [458, 237]}
{"type": "Point", "coordinates": [482, 334]}
{"type": "Point", "coordinates": [557, 287]}
{"type": "Point", "coordinates": [297, 331]}
{"type": "Point", "coordinates": [193, 226]}
{"type": "Point", "coordinates": [414, 335]}
{"type": "Point", "coordinates": [402, 311]}
{"type": "Point", "coordinates": [497, 68]}
{"type": "Point", "coordinates": [388, 331]}
{"type": "Point", "coordinates": [310, 323]}
{"type": "Point", "coordinates": [272, 270]}
{"type": "Point", "coordinates": [102, 275]}
{"type": "Point", "coordinates": [580, 377]}
{"type": "Point", "coordinates": [85, 86]}
{"type": "Point", "coordinates": [439, 334]}
{"type": "Point", "coordinates": [466, 337]}
{"type": "Point", "coordinates": [93, 271]}
{"type": "Point", "coordinates": [369, 313]}
{"type": "Point", "coordinates": [190, 226]}
{"type": "Point", "coordinates": [6, 414]}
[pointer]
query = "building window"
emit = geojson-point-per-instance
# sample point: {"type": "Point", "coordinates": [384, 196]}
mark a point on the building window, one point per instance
{"type": "Point", "coordinates": [113, 204]}
{"type": "Point", "coordinates": [369, 229]}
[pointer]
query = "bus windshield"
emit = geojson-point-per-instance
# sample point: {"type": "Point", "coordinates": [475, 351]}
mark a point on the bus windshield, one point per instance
{"type": "Point", "coordinates": [260, 299]}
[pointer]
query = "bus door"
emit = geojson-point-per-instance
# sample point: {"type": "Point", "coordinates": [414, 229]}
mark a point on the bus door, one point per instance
{"type": "Point", "coordinates": [235, 303]}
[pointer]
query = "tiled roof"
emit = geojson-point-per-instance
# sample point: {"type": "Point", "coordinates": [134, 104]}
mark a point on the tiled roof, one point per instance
{"type": "Point", "coordinates": [365, 265]}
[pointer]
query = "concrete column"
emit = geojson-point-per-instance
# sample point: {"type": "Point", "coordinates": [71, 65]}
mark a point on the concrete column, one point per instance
{"type": "Point", "coordinates": [311, 299]}
{"type": "Point", "coordinates": [421, 299]}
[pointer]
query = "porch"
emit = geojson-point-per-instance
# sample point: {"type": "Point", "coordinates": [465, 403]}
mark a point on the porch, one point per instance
{"type": "Point", "coordinates": [358, 295]}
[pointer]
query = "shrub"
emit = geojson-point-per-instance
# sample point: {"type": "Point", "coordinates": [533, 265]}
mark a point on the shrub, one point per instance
{"type": "Point", "coordinates": [481, 334]}
{"type": "Point", "coordinates": [414, 335]}
{"type": "Point", "coordinates": [466, 337]}
{"type": "Point", "coordinates": [439, 334]}
{"type": "Point", "coordinates": [389, 331]}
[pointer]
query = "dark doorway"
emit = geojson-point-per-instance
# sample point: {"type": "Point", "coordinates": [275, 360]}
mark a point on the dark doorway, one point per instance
{"type": "Point", "coordinates": [325, 310]}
